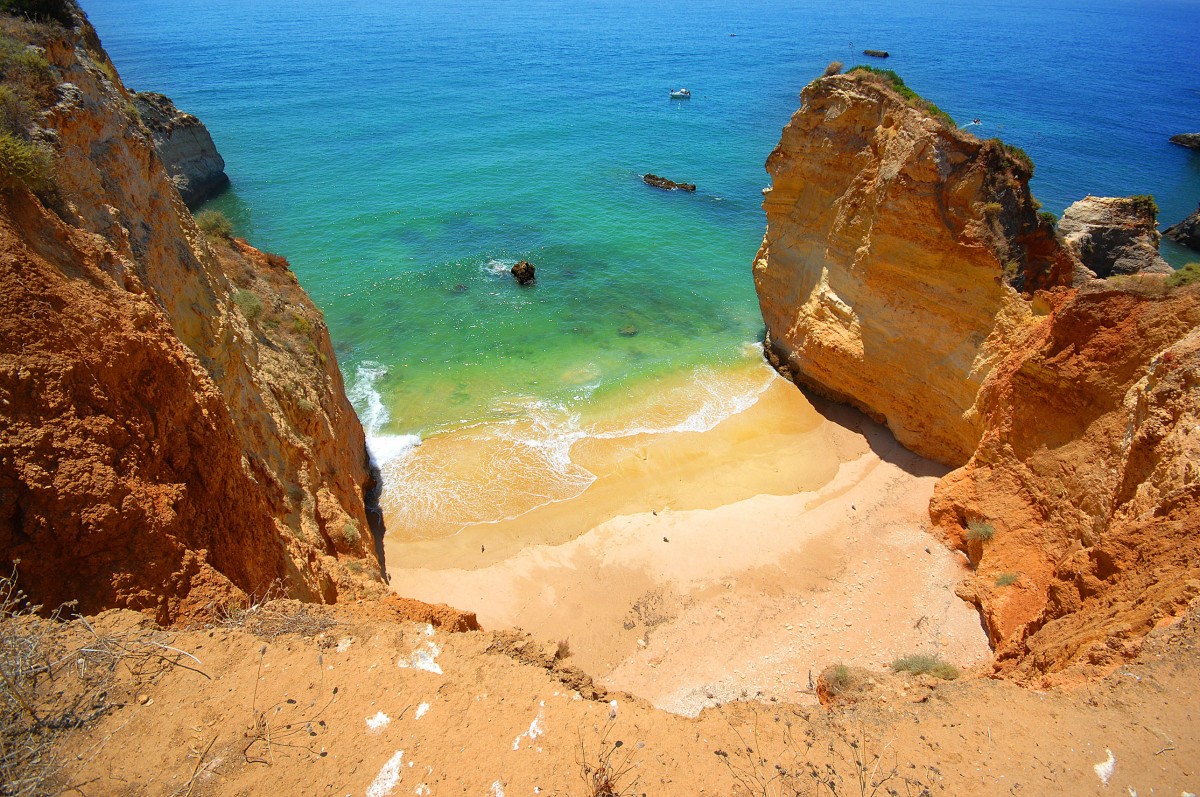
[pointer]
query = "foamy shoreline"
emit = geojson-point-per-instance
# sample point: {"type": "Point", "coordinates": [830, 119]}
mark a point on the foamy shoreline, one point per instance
{"type": "Point", "coordinates": [701, 566]}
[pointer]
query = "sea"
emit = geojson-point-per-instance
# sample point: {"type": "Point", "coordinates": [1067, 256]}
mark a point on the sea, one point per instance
{"type": "Point", "coordinates": [403, 155]}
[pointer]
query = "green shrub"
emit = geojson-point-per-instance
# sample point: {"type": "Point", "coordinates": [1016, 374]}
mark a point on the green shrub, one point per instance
{"type": "Point", "coordinates": [214, 223]}
{"type": "Point", "coordinates": [979, 530]}
{"type": "Point", "coordinates": [923, 664]}
{"type": "Point", "coordinates": [24, 164]}
{"type": "Point", "coordinates": [1015, 153]}
{"type": "Point", "coordinates": [41, 10]}
{"type": "Point", "coordinates": [249, 303]}
{"type": "Point", "coordinates": [1007, 579]}
{"type": "Point", "coordinates": [838, 677]}
{"type": "Point", "coordinates": [350, 533]}
{"type": "Point", "coordinates": [15, 114]}
{"type": "Point", "coordinates": [1146, 204]}
{"type": "Point", "coordinates": [992, 208]}
{"type": "Point", "coordinates": [1184, 276]}
{"type": "Point", "coordinates": [911, 97]}
{"type": "Point", "coordinates": [1048, 218]}
{"type": "Point", "coordinates": [301, 325]}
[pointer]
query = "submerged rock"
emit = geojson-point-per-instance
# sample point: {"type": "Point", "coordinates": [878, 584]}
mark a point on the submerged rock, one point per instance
{"type": "Point", "coordinates": [665, 184]}
{"type": "Point", "coordinates": [1114, 235]}
{"type": "Point", "coordinates": [1189, 140]}
{"type": "Point", "coordinates": [1186, 232]}
{"type": "Point", "coordinates": [877, 53]}
{"type": "Point", "coordinates": [523, 271]}
{"type": "Point", "coordinates": [185, 146]}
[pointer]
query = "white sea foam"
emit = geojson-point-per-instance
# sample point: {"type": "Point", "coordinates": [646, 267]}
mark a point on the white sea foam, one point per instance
{"type": "Point", "coordinates": [368, 403]}
{"type": "Point", "coordinates": [499, 266]}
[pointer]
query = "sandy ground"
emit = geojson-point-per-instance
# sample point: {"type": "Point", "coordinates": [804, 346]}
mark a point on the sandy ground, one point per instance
{"type": "Point", "coordinates": [383, 709]}
{"type": "Point", "coordinates": [705, 567]}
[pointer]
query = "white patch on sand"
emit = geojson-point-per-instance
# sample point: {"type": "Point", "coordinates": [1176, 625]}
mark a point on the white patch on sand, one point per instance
{"type": "Point", "coordinates": [497, 789]}
{"type": "Point", "coordinates": [344, 644]}
{"type": "Point", "coordinates": [535, 728]}
{"type": "Point", "coordinates": [377, 723]}
{"type": "Point", "coordinates": [422, 710]}
{"type": "Point", "coordinates": [423, 790]}
{"type": "Point", "coordinates": [612, 709]}
{"type": "Point", "coordinates": [423, 658]}
{"type": "Point", "coordinates": [1104, 770]}
{"type": "Point", "coordinates": [388, 777]}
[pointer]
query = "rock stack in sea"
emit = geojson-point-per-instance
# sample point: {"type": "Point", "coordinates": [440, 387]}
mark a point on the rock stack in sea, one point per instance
{"type": "Point", "coordinates": [1114, 236]}
{"type": "Point", "coordinates": [1186, 232]}
{"type": "Point", "coordinates": [185, 146]}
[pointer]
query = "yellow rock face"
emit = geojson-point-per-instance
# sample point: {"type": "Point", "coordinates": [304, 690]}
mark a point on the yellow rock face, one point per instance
{"type": "Point", "coordinates": [893, 245]}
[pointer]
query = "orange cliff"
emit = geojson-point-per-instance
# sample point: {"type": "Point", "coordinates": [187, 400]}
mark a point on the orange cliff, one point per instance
{"type": "Point", "coordinates": [905, 271]}
{"type": "Point", "coordinates": [174, 431]}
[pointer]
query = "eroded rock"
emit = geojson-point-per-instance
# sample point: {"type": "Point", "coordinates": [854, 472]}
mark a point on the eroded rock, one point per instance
{"type": "Point", "coordinates": [1114, 236]}
{"type": "Point", "coordinates": [1186, 232]}
{"type": "Point", "coordinates": [185, 146]}
{"type": "Point", "coordinates": [524, 272]}
{"type": "Point", "coordinates": [667, 185]}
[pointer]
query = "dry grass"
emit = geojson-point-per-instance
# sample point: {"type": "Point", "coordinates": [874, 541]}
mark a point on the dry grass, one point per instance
{"type": "Point", "coordinates": [285, 727]}
{"type": "Point", "coordinates": [272, 616]}
{"type": "Point", "coordinates": [612, 771]}
{"type": "Point", "coordinates": [57, 676]}
{"type": "Point", "coordinates": [849, 763]}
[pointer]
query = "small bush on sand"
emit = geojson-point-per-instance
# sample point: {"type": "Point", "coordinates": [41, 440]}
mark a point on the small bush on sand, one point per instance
{"type": "Point", "coordinates": [1184, 276]}
{"type": "Point", "coordinates": [923, 664]}
{"type": "Point", "coordinates": [1007, 579]}
{"type": "Point", "coordinates": [980, 531]}
{"type": "Point", "coordinates": [214, 223]}
{"type": "Point", "coordinates": [24, 164]}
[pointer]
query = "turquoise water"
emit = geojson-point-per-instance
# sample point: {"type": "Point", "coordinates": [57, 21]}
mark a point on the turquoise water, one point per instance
{"type": "Point", "coordinates": [404, 155]}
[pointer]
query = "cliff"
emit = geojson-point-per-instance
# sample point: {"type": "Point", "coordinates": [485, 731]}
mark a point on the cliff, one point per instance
{"type": "Point", "coordinates": [1186, 232]}
{"type": "Point", "coordinates": [1114, 236]}
{"type": "Point", "coordinates": [905, 271]}
{"type": "Point", "coordinates": [174, 432]}
{"type": "Point", "coordinates": [185, 146]}
{"type": "Point", "coordinates": [886, 227]}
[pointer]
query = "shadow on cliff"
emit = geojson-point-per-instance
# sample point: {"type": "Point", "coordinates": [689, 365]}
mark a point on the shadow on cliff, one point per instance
{"type": "Point", "coordinates": [880, 439]}
{"type": "Point", "coordinates": [371, 492]}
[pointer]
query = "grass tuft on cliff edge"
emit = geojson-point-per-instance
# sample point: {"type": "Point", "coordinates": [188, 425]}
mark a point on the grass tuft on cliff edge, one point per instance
{"type": "Point", "coordinates": [913, 99]}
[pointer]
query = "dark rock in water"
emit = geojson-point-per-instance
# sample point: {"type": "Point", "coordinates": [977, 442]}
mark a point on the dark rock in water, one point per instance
{"type": "Point", "coordinates": [523, 271]}
{"type": "Point", "coordinates": [185, 146]}
{"type": "Point", "coordinates": [629, 330]}
{"type": "Point", "coordinates": [1189, 140]}
{"type": "Point", "coordinates": [665, 184]}
{"type": "Point", "coordinates": [1114, 235]}
{"type": "Point", "coordinates": [1186, 232]}
{"type": "Point", "coordinates": [460, 288]}
{"type": "Point", "coordinates": [876, 53]}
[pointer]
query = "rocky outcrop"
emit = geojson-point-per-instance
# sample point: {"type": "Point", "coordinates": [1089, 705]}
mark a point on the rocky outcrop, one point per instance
{"type": "Point", "coordinates": [524, 272]}
{"type": "Point", "coordinates": [904, 271]}
{"type": "Point", "coordinates": [1186, 232]}
{"type": "Point", "coordinates": [877, 53]}
{"type": "Point", "coordinates": [1189, 140]}
{"type": "Point", "coordinates": [1114, 236]}
{"type": "Point", "coordinates": [185, 146]}
{"type": "Point", "coordinates": [174, 433]}
{"type": "Point", "coordinates": [893, 247]}
{"type": "Point", "coordinates": [667, 185]}
{"type": "Point", "coordinates": [1088, 475]}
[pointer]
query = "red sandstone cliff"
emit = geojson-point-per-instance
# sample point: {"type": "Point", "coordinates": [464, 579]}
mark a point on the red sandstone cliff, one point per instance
{"type": "Point", "coordinates": [904, 270]}
{"type": "Point", "coordinates": [174, 431]}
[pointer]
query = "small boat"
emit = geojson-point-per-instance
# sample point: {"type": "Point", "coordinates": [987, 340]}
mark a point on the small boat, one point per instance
{"type": "Point", "coordinates": [680, 94]}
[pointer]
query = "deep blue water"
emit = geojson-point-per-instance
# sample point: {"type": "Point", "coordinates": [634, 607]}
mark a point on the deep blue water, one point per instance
{"type": "Point", "coordinates": [403, 154]}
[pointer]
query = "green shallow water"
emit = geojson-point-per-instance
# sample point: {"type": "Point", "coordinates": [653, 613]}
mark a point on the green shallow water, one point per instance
{"type": "Point", "coordinates": [402, 156]}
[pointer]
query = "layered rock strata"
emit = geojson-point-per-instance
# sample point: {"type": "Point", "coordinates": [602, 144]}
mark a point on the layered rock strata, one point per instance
{"type": "Point", "coordinates": [185, 146]}
{"type": "Point", "coordinates": [904, 270]}
{"type": "Point", "coordinates": [1186, 232]}
{"type": "Point", "coordinates": [1114, 236]}
{"type": "Point", "coordinates": [174, 432]}
{"type": "Point", "coordinates": [892, 245]}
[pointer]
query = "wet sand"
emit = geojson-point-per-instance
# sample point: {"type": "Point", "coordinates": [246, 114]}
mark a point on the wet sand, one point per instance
{"type": "Point", "coordinates": [701, 567]}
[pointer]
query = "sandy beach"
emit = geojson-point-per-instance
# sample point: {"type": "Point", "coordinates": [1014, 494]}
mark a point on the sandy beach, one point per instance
{"type": "Point", "coordinates": [701, 567]}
